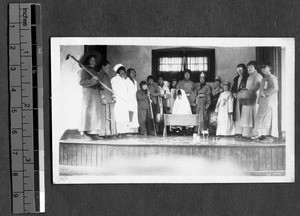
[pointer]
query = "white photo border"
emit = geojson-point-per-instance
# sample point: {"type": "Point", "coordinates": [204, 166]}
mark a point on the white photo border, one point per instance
{"type": "Point", "coordinates": [288, 44]}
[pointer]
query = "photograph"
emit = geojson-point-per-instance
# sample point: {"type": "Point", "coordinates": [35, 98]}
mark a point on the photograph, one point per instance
{"type": "Point", "coordinates": [172, 110]}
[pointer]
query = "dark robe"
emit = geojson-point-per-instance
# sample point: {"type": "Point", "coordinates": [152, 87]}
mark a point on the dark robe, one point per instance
{"type": "Point", "coordinates": [235, 89]}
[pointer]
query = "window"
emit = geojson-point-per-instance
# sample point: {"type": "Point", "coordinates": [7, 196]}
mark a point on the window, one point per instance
{"type": "Point", "coordinates": [172, 62]}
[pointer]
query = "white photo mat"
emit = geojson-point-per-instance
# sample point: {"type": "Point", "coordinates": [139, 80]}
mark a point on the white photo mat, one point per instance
{"type": "Point", "coordinates": [288, 72]}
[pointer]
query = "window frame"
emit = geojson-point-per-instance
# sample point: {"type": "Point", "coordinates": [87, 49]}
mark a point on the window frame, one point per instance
{"type": "Point", "coordinates": [184, 52]}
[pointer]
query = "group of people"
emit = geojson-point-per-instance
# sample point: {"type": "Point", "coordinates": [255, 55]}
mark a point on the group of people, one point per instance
{"type": "Point", "coordinates": [117, 106]}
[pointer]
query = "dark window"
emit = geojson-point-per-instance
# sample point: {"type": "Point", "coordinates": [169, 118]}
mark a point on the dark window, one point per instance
{"type": "Point", "coordinates": [172, 62]}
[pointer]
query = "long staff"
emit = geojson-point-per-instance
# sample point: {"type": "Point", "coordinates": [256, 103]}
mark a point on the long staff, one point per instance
{"type": "Point", "coordinates": [152, 115]}
{"type": "Point", "coordinates": [89, 72]}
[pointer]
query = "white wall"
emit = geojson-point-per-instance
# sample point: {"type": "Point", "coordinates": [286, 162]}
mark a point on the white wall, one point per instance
{"type": "Point", "coordinates": [70, 91]}
{"type": "Point", "coordinates": [139, 58]}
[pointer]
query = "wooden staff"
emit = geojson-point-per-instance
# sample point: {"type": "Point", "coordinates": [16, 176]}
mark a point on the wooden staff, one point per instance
{"type": "Point", "coordinates": [152, 115]}
{"type": "Point", "coordinates": [89, 72]}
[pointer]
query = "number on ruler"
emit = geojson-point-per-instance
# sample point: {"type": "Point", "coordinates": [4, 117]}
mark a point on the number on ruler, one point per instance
{"type": "Point", "coordinates": [12, 26]}
{"type": "Point", "coordinates": [13, 89]}
{"type": "Point", "coordinates": [14, 132]}
{"type": "Point", "coordinates": [12, 47]}
{"type": "Point", "coordinates": [13, 68]}
{"type": "Point", "coordinates": [15, 174]}
{"type": "Point", "coordinates": [27, 160]}
{"type": "Point", "coordinates": [14, 110]}
{"type": "Point", "coordinates": [26, 105]}
{"type": "Point", "coordinates": [16, 195]}
{"type": "Point", "coordinates": [15, 152]}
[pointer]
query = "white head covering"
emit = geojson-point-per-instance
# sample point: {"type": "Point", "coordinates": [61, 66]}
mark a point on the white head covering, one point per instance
{"type": "Point", "coordinates": [117, 66]}
{"type": "Point", "coordinates": [181, 106]}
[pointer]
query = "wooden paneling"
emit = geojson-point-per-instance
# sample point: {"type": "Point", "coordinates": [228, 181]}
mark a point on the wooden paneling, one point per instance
{"type": "Point", "coordinates": [255, 158]}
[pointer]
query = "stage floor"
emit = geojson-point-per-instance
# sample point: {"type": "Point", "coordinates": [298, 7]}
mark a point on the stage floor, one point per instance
{"type": "Point", "coordinates": [73, 136]}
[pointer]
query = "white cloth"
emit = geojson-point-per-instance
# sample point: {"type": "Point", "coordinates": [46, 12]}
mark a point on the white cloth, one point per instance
{"type": "Point", "coordinates": [225, 125]}
{"type": "Point", "coordinates": [132, 102]}
{"type": "Point", "coordinates": [121, 109]}
{"type": "Point", "coordinates": [181, 106]}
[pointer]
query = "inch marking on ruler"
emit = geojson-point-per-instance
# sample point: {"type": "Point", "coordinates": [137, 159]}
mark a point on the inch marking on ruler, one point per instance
{"type": "Point", "coordinates": [26, 104]}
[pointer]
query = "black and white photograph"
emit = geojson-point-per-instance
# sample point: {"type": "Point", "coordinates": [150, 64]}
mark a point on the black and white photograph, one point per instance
{"type": "Point", "coordinates": [172, 110]}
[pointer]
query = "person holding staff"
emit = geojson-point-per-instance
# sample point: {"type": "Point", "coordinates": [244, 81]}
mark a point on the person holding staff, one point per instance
{"type": "Point", "coordinates": [92, 111]}
{"type": "Point", "coordinates": [146, 126]}
{"type": "Point", "coordinates": [155, 95]}
{"type": "Point", "coordinates": [108, 123]}
{"type": "Point", "coordinates": [121, 109]}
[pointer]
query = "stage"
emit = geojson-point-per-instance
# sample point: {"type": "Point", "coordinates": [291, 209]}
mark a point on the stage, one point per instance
{"type": "Point", "coordinates": [172, 155]}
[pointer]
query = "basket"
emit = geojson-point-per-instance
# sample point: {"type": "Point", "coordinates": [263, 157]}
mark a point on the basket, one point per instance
{"type": "Point", "coordinates": [246, 97]}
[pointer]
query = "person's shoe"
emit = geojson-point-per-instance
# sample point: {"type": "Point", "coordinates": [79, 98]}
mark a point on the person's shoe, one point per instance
{"type": "Point", "coordinates": [262, 137]}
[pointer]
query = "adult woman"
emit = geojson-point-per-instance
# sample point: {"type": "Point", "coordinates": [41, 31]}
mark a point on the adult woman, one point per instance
{"type": "Point", "coordinates": [239, 83]}
{"type": "Point", "coordinates": [119, 86]}
{"type": "Point", "coordinates": [108, 119]}
{"type": "Point", "coordinates": [249, 112]}
{"type": "Point", "coordinates": [92, 109]}
{"type": "Point", "coordinates": [132, 102]}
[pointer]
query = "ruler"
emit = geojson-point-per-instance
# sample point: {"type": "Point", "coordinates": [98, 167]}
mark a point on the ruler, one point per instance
{"type": "Point", "coordinates": [26, 108]}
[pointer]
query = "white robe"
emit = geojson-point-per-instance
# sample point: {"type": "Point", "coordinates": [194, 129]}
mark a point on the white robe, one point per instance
{"type": "Point", "coordinates": [182, 106]}
{"type": "Point", "coordinates": [121, 108]}
{"type": "Point", "coordinates": [132, 102]}
{"type": "Point", "coordinates": [225, 125]}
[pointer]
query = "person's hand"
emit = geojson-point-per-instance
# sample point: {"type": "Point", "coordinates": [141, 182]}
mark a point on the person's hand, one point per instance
{"type": "Point", "coordinates": [104, 101]}
{"type": "Point", "coordinates": [94, 80]}
{"type": "Point", "coordinates": [262, 95]}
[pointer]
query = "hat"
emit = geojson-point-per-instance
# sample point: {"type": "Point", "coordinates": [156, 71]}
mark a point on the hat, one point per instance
{"type": "Point", "coordinates": [117, 66]}
{"type": "Point", "coordinates": [265, 64]}
{"type": "Point", "coordinates": [202, 75]}
{"type": "Point", "coordinates": [218, 78]}
{"type": "Point", "coordinates": [226, 83]}
{"type": "Point", "coordinates": [84, 58]}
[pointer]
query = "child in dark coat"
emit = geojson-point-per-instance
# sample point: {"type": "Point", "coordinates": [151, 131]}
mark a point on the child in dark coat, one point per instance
{"type": "Point", "coordinates": [144, 111]}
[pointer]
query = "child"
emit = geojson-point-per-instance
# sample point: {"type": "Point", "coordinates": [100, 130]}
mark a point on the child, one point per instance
{"type": "Point", "coordinates": [144, 111]}
{"type": "Point", "coordinates": [224, 109]}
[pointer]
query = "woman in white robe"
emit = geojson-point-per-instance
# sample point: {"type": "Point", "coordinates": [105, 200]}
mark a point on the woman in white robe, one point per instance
{"type": "Point", "coordinates": [132, 88]}
{"type": "Point", "coordinates": [119, 86]}
{"type": "Point", "coordinates": [224, 109]}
